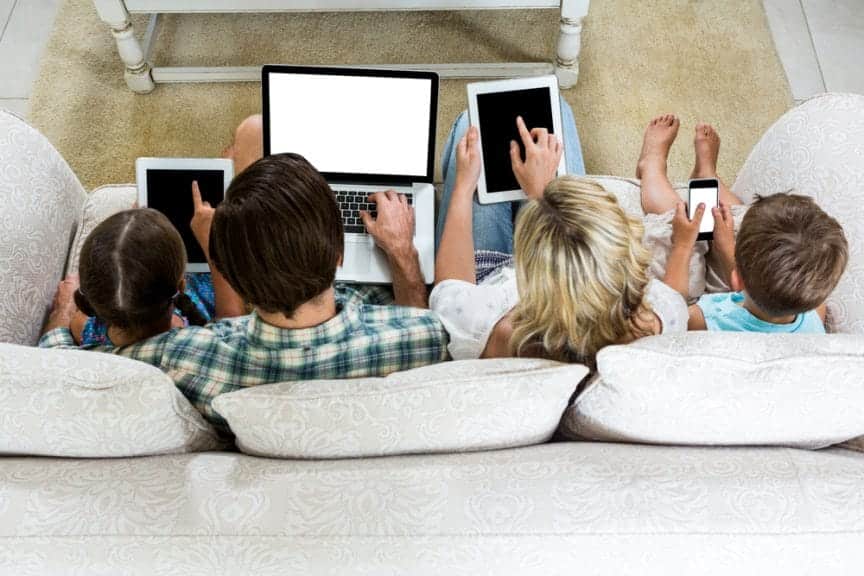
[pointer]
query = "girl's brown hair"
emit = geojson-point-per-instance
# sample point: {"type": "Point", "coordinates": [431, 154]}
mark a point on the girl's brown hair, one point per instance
{"type": "Point", "coordinates": [130, 270]}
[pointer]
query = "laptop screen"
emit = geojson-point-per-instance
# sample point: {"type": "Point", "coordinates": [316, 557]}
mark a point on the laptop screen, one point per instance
{"type": "Point", "coordinates": [374, 124]}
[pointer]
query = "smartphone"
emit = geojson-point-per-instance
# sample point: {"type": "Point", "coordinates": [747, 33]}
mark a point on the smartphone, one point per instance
{"type": "Point", "coordinates": [704, 191]}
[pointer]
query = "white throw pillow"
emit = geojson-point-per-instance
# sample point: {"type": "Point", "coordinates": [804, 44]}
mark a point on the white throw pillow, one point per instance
{"type": "Point", "coordinates": [448, 407]}
{"type": "Point", "coordinates": [716, 388]}
{"type": "Point", "coordinates": [92, 405]}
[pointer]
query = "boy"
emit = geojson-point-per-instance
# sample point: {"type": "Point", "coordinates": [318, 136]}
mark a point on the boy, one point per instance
{"type": "Point", "coordinates": [788, 258]}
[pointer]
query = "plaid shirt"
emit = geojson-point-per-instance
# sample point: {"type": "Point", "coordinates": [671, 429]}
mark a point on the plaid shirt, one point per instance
{"type": "Point", "coordinates": [363, 339]}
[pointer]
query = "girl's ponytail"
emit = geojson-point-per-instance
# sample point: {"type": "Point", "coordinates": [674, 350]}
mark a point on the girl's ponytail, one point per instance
{"type": "Point", "coordinates": [189, 310]}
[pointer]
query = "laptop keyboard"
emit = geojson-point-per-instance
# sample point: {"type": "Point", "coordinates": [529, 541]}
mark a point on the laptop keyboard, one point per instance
{"type": "Point", "coordinates": [351, 202]}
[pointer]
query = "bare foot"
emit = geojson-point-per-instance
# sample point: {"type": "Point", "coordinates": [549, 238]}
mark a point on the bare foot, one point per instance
{"type": "Point", "coordinates": [659, 136]}
{"type": "Point", "coordinates": [706, 142]}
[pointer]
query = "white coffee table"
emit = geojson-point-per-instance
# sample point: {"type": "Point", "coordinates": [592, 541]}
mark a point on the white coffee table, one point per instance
{"type": "Point", "coordinates": [141, 75]}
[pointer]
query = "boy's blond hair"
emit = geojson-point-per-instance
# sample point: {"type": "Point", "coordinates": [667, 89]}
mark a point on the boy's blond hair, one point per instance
{"type": "Point", "coordinates": [581, 270]}
{"type": "Point", "coordinates": [790, 254]}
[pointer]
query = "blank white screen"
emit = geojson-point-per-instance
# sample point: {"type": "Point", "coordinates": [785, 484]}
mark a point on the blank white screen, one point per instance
{"type": "Point", "coordinates": [707, 196]}
{"type": "Point", "coordinates": [352, 124]}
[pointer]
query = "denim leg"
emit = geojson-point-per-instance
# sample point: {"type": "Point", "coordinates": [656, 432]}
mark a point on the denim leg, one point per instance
{"type": "Point", "coordinates": [572, 146]}
{"type": "Point", "coordinates": [492, 223]}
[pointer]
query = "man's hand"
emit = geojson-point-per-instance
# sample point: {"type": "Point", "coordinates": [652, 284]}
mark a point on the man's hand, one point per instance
{"type": "Point", "coordinates": [393, 230]}
{"type": "Point", "coordinates": [542, 156]}
{"type": "Point", "coordinates": [723, 245]}
{"type": "Point", "coordinates": [201, 220]}
{"type": "Point", "coordinates": [468, 161]}
{"type": "Point", "coordinates": [63, 308]}
{"type": "Point", "coordinates": [685, 232]}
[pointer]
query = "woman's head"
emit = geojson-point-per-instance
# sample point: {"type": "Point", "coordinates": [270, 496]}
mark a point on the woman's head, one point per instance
{"type": "Point", "coordinates": [131, 270]}
{"type": "Point", "coordinates": [581, 269]}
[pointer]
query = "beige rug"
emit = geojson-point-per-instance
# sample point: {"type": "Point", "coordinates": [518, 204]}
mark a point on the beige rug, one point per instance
{"type": "Point", "coordinates": [704, 59]}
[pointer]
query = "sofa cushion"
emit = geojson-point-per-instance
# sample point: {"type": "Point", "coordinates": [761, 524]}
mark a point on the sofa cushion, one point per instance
{"type": "Point", "coordinates": [92, 405]}
{"type": "Point", "coordinates": [40, 201]}
{"type": "Point", "coordinates": [449, 407]}
{"type": "Point", "coordinates": [706, 388]}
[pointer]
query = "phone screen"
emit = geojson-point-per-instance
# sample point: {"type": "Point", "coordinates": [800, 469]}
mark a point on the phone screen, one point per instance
{"type": "Point", "coordinates": [707, 196]}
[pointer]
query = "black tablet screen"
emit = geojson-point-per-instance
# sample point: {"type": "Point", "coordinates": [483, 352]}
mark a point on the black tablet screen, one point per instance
{"type": "Point", "coordinates": [170, 192]}
{"type": "Point", "coordinates": [497, 114]}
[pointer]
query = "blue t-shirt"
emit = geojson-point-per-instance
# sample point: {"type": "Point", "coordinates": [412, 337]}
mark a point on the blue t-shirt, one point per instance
{"type": "Point", "coordinates": [724, 312]}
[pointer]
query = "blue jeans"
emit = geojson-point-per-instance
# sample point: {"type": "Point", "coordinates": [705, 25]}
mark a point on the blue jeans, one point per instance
{"type": "Point", "coordinates": [493, 223]}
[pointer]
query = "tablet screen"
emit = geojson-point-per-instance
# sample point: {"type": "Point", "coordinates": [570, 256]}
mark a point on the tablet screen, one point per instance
{"type": "Point", "coordinates": [170, 192]}
{"type": "Point", "coordinates": [497, 114]}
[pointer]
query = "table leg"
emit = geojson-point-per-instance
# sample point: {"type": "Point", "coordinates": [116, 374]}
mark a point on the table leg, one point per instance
{"type": "Point", "coordinates": [570, 41]}
{"type": "Point", "coordinates": [137, 74]}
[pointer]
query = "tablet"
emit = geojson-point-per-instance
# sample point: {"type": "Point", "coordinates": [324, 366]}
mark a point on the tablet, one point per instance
{"type": "Point", "coordinates": [493, 108]}
{"type": "Point", "coordinates": [165, 184]}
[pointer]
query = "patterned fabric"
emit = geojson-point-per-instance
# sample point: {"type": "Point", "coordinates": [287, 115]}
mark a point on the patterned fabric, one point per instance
{"type": "Point", "coordinates": [73, 403]}
{"type": "Point", "coordinates": [449, 407]}
{"type": "Point", "coordinates": [546, 510]}
{"type": "Point", "coordinates": [487, 262]}
{"type": "Point", "coordinates": [40, 204]}
{"type": "Point", "coordinates": [199, 288]}
{"type": "Point", "coordinates": [726, 388]}
{"type": "Point", "coordinates": [363, 339]}
{"type": "Point", "coordinates": [725, 312]}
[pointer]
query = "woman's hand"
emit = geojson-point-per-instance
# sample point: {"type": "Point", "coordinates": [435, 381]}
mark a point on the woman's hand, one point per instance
{"type": "Point", "coordinates": [685, 232]}
{"type": "Point", "coordinates": [542, 156]}
{"type": "Point", "coordinates": [201, 220]}
{"type": "Point", "coordinates": [468, 162]}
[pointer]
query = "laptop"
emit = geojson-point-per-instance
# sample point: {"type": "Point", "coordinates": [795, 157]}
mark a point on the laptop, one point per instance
{"type": "Point", "coordinates": [365, 131]}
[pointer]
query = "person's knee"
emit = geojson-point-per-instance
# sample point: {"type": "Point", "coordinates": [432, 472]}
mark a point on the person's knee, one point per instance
{"type": "Point", "coordinates": [251, 128]}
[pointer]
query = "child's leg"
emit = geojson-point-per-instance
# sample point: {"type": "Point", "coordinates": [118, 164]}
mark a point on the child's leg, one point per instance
{"type": "Point", "coordinates": [248, 145]}
{"type": "Point", "coordinates": [658, 195]}
{"type": "Point", "coordinates": [706, 142]}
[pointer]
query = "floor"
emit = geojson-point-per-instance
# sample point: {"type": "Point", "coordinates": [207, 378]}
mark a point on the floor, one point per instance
{"type": "Point", "coordinates": [819, 42]}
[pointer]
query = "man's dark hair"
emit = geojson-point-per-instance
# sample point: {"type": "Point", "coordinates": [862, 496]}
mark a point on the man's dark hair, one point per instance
{"type": "Point", "coordinates": [790, 254]}
{"type": "Point", "coordinates": [278, 238]}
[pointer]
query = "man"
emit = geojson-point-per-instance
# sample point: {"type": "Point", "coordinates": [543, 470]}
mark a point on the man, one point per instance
{"type": "Point", "coordinates": [275, 244]}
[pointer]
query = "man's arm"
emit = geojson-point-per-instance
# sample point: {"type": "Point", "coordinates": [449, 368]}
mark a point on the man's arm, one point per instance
{"type": "Point", "coordinates": [393, 231]}
{"type": "Point", "coordinates": [228, 303]}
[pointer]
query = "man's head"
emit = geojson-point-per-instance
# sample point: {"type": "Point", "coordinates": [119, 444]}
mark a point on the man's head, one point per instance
{"type": "Point", "coordinates": [789, 254]}
{"type": "Point", "coordinates": [278, 238]}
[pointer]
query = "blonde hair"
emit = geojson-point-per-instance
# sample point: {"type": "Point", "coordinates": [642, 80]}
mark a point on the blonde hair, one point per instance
{"type": "Point", "coordinates": [581, 270]}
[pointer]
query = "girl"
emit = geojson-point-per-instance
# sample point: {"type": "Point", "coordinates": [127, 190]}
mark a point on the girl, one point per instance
{"type": "Point", "coordinates": [579, 278]}
{"type": "Point", "coordinates": [132, 283]}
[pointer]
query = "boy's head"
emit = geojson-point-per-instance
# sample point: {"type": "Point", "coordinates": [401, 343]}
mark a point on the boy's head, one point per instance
{"type": "Point", "coordinates": [278, 238]}
{"type": "Point", "coordinates": [789, 254]}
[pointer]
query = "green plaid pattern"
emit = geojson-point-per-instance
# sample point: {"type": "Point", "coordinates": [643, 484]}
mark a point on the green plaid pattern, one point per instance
{"type": "Point", "coordinates": [365, 338]}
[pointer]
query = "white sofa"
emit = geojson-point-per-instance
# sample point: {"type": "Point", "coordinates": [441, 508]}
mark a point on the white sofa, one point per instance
{"type": "Point", "coordinates": [564, 507]}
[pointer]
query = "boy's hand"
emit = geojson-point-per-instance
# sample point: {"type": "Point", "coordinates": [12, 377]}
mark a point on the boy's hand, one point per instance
{"type": "Point", "coordinates": [542, 156]}
{"type": "Point", "coordinates": [201, 220]}
{"type": "Point", "coordinates": [393, 229]}
{"type": "Point", "coordinates": [685, 232]}
{"type": "Point", "coordinates": [724, 236]}
{"type": "Point", "coordinates": [468, 161]}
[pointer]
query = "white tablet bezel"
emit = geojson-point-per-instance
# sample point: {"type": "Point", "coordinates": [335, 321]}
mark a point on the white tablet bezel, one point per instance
{"type": "Point", "coordinates": [144, 164]}
{"type": "Point", "coordinates": [475, 88]}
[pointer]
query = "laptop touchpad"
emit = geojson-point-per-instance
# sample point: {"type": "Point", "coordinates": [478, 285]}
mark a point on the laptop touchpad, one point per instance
{"type": "Point", "coordinates": [358, 252]}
